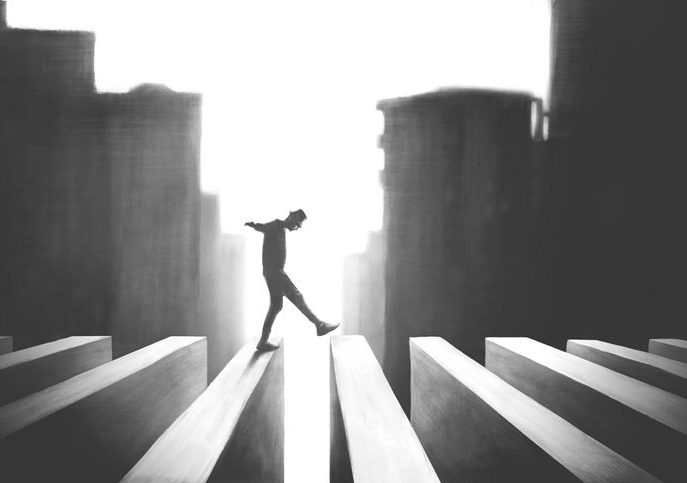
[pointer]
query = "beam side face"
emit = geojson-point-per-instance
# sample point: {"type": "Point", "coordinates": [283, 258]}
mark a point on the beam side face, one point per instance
{"type": "Point", "coordinates": [635, 435]}
{"type": "Point", "coordinates": [191, 447]}
{"type": "Point", "coordinates": [658, 371]}
{"type": "Point", "coordinates": [27, 371]}
{"type": "Point", "coordinates": [30, 409]}
{"type": "Point", "coordinates": [465, 438]}
{"type": "Point", "coordinates": [6, 344]}
{"type": "Point", "coordinates": [255, 451]}
{"type": "Point", "coordinates": [382, 445]}
{"type": "Point", "coordinates": [476, 427]}
{"type": "Point", "coordinates": [675, 349]}
{"type": "Point", "coordinates": [339, 457]}
{"type": "Point", "coordinates": [102, 433]}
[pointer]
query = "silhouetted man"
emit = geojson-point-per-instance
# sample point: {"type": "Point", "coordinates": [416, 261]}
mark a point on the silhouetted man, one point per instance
{"type": "Point", "coordinates": [278, 283]}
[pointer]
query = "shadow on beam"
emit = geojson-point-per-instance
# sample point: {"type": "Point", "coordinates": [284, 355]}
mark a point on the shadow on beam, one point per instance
{"type": "Point", "coordinates": [371, 437]}
{"type": "Point", "coordinates": [675, 349]}
{"type": "Point", "coordinates": [95, 426]}
{"type": "Point", "coordinates": [477, 428]}
{"type": "Point", "coordinates": [643, 423]}
{"type": "Point", "coordinates": [659, 371]}
{"type": "Point", "coordinates": [234, 432]}
{"type": "Point", "coordinates": [5, 344]}
{"type": "Point", "coordinates": [29, 370]}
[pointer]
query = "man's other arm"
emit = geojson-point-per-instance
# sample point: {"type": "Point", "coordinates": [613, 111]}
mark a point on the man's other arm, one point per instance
{"type": "Point", "coordinates": [261, 227]}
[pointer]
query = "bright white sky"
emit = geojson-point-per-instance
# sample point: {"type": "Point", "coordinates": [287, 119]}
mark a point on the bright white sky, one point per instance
{"type": "Point", "coordinates": [290, 89]}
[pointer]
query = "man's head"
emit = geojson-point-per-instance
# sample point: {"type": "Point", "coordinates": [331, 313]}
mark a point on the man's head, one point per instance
{"type": "Point", "coordinates": [295, 220]}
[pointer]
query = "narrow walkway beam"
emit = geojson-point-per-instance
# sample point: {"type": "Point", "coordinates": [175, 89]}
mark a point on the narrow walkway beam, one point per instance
{"type": "Point", "coordinates": [95, 426]}
{"type": "Point", "coordinates": [675, 349]}
{"type": "Point", "coordinates": [233, 432]}
{"type": "Point", "coordinates": [476, 427]}
{"type": "Point", "coordinates": [29, 370]}
{"type": "Point", "coordinates": [645, 424]}
{"type": "Point", "coordinates": [372, 439]}
{"type": "Point", "coordinates": [5, 344]}
{"type": "Point", "coordinates": [659, 371]}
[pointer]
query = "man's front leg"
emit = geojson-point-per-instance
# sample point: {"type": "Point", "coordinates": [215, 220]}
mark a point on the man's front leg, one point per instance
{"type": "Point", "coordinates": [276, 304]}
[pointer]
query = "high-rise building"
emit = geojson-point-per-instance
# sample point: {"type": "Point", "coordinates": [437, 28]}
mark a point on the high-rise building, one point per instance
{"type": "Point", "coordinates": [618, 118]}
{"type": "Point", "coordinates": [99, 198]}
{"type": "Point", "coordinates": [222, 272]}
{"type": "Point", "coordinates": [462, 222]}
{"type": "Point", "coordinates": [363, 294]}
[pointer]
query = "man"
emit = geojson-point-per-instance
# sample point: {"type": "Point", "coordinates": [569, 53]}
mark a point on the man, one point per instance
{"type": "Point", "coordinates": [278, 283]}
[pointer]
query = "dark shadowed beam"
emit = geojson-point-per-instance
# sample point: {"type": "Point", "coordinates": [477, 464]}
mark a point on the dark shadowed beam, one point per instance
{"type": "Point", "coordinates": [29, 370]}
{"type": "Point", "coordinates": [653, 369]}
{"type": "Point", "coordinates": [5, 344]}
{"type": "Point", "coordinates": [675, 349]}
{"type": "Point", "coordinates": [645, 424]}
{"type": "Point", "coordinates": [233, 432]}
{"type": "Point", "coordinates": [475, 427]}
{"type": "Point", "coordinates": [371, 428]}
{"type": "Point", "coordinates": [95, 426]}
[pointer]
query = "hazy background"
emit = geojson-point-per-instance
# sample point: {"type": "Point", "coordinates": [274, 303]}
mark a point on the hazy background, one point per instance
{"type": "Point", "coordinates": [290, 88]}
{"type": "Point", "coordinates": [289, 118]}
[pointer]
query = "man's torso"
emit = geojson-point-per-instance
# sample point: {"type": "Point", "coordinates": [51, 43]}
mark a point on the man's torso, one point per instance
{"type": "Point", "coordinates": [274, 247]}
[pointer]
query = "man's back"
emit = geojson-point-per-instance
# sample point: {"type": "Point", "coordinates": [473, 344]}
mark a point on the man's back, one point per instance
{"type": "Point", "coordinates": [273, 247]}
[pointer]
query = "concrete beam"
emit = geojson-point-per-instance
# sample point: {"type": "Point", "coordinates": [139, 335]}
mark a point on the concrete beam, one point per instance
{"type": "Point", "coordinates": [645, 424]}
{"type": "Point", "coordinates": [675, 349]}
{"type": "Point", "coordinates": [233, 432]}
{"type": "Point", "coordinates": [95, 426]}
{"type": "Point", "coordinates": [475, 427]}
{"type": "Point", "coordinates": [29, 370]}
{"type": "Point", "coordinates": [5, 344]}
{"type": "Point", "coordinates": [371, 438]}
{"type": "Point", "coordinates": [664, 373]}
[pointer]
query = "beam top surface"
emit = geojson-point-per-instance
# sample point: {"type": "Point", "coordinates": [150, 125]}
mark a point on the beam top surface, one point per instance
{"type": "Point", "coordinates": [682, 344]}
{"type": "Point", "coordinates": [382, 445]}
{"type": "Point", "coordinates": [42, 350]}
{"type": "Point", "coordinates": [582, 455]}
{"type": "Point", "coordinates": [669, 365]}
{"type": "Point", "coordinates": [658, 404]}
{"type": "Point", "coordinates": [27, 410]}
{"type": "Point", "coordinates": [192, 445]}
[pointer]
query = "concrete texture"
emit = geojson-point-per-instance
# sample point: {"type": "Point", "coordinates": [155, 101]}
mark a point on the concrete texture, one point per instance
{"type": "Point", "coordinates": [645, 424]}
{"type": "Point", "coordinates": [475, 427]}
{"type": "Point", "coordinates": [675, 349]}
{"type": "Point", "coordinates": [380, 443]}
{"type": "Point", "coordinates": [29, 370]}
{"type": "Point", "coordinates": [233, 432]}
{"type": "Point", "coordinates": [95, 426]}
{"type": "Point", "coordinates": [653, 369]}
{"type": "Point", "coordinates": [462, 224]}
{"type": "Point", "coordinates": [615, 172]}
{"type": "Point", "coordinates": [5, 344]}
{"type": "Point", "coordinates": [99, 197]}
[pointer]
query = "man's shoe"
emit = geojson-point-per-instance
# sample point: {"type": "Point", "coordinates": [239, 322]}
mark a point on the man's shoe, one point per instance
{"type": "Point", "coordinates": [325, 328]}
{"type": "Point", "coordinates": [266, 347]}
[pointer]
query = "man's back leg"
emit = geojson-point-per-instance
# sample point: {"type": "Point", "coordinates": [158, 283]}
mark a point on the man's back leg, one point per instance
{"type": "Point", "coordinates": [296, 297]}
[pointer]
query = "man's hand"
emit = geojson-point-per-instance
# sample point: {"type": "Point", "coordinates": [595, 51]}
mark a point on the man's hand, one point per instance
{"type": "Point", "coordinates": [250, 224]}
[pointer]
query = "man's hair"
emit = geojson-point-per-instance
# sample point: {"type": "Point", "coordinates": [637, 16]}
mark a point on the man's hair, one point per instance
{"type": "Point", "coordinates": [299, 213]}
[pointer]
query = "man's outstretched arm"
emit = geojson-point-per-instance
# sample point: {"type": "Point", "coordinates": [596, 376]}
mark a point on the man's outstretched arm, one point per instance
{"type": "Point", "coordinates": [256, 226]}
